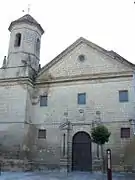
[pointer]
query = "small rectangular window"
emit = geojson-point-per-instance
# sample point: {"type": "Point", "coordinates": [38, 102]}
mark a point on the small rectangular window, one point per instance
{"type": "Point", "coordinates": [17, 40]}
{"type": "Point", "coordinates": [123, 96]}
{"type": "Point", "coordinates": [43, 100]}
{"type": "Point", "coordinates": [82, 98]}
{"type": "Point", "coordinates": [125, 132]}
{"type": "Point", "coordinates": [42, 134]}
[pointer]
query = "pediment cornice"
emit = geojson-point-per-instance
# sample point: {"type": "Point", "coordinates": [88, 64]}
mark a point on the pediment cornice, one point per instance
{"type": "Point", "coordinates": [109, 75]}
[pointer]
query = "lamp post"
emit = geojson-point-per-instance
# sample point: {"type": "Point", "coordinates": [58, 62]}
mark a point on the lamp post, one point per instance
{"type": "Point", "coordinates": [109, 165]}
{"type": "Point", "coordinates": [0, 167]}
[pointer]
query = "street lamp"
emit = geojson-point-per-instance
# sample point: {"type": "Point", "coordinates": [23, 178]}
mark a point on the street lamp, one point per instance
{"type": "Point", "coordinates": [109, 168]}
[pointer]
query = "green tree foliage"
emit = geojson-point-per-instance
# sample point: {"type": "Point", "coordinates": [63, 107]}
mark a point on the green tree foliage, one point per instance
{"type": "Point", "coordinates": [100, 134]}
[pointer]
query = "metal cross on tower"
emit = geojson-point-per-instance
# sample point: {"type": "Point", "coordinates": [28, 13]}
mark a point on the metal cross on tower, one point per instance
{"type": "Point", "coordinates": [28, 8]}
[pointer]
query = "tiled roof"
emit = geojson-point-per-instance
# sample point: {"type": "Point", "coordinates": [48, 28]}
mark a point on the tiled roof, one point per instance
{"type": "Point", "coordinates": [27, 19]}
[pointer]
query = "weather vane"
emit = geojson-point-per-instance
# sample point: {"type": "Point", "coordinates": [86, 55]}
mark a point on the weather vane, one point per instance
{"type": "Point", "coordinates": [28, 9]}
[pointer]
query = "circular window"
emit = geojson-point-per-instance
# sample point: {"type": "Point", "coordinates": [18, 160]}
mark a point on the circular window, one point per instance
{"type": "Point", "coordinates": [81, 57]}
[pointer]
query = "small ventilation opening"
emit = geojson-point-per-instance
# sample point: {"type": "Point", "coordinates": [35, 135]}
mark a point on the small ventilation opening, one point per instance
{"type": "Point", "coordinates": [81, 57]}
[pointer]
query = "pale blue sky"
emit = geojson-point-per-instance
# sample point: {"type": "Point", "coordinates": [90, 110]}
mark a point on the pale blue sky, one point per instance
{"type": "Point", "coordinates": [107, 23]}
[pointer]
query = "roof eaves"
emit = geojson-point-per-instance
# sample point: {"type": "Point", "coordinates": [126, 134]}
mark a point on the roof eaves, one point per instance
{"type": "Point", "coordinates": [26, 19]}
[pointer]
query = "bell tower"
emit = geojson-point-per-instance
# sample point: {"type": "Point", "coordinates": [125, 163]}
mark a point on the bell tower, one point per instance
{"type": "Point", "coordinates": [24, 45]}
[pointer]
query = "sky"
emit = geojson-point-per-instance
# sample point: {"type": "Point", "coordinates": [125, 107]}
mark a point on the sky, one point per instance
{"type": "Point", "coordinates": [107, 23]}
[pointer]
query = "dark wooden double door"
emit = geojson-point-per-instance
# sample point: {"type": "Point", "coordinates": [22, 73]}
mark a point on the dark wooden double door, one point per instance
{"type": "Point", "coordinates": [81, 152]}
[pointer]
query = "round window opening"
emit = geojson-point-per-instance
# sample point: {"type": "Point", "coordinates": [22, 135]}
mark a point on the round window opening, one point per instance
{"type": "Point", "coordinates": [81, 57]}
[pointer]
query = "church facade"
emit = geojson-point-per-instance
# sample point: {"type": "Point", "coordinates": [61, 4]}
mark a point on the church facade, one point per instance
{"type": "Point", "coordinates": [46, 114]}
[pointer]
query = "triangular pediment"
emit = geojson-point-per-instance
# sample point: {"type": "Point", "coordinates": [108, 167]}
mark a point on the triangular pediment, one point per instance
{"type": "Point", "coordinates": [83, 58]}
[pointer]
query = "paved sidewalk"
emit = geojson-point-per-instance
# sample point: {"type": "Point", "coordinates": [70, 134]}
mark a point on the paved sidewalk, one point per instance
{"type": "Point", "coordinates": [63, 176]}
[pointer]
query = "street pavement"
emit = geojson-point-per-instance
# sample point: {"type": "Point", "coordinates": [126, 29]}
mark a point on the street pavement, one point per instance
{"type": "Point", "coordinates": [64, 176]}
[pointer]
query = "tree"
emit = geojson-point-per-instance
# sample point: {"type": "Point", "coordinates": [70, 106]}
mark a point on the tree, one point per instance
{"type": "Point", "coordinates": [100, 135]}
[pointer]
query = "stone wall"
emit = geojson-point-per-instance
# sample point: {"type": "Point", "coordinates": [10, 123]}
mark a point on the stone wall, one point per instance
{"type": "Point", "coordinates": [101, 96]}
{"type": "Point", "coordinates": [12, 117]}
{"type": "Point", "coordinates": [16, 165]}
{"type": "Point", "coordinates": [96, 62]}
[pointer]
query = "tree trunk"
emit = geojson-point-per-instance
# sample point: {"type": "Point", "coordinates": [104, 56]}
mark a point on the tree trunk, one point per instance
{"type": "Point", "coordinates": [103, 159]}
{"type": "Point", "coordinates": [98, 151]}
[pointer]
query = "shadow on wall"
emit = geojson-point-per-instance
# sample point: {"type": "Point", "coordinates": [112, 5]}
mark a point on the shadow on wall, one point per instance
{"type": "Point", "coordinates": [129, 154]}
{"type": "Point", "coordinates": [28, 144]}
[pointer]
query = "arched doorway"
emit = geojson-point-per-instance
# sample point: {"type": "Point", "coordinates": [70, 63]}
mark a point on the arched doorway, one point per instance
{"type": "Point", "coordinates": [81, 152]}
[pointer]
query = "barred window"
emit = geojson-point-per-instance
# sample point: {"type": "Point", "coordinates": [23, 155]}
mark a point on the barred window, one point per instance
{"type": "Point", "coordinates": [125, 132]}
{"type": "Point", "coordinates": [42, 134]}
